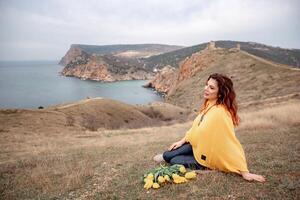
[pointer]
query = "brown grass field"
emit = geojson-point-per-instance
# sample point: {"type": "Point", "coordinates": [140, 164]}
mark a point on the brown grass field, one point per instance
{"type": "Point", "coordinates": [71, 163]}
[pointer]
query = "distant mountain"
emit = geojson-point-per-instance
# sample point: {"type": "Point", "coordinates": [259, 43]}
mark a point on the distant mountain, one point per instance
{"type": "Point", "coordinates": [135, 50]}
{"type": "Point", "coordinates": [276, 54]}
{"type": "Point", "coordinates": [139, 61]}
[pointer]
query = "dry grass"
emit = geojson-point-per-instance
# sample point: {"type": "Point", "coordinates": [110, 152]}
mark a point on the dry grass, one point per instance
{"type": "Point", "coordinates": [45, 176]}
{"type": "Point", "coordinates": [107, 164]}
{"type": "Point", "coordinates": [285, 115]}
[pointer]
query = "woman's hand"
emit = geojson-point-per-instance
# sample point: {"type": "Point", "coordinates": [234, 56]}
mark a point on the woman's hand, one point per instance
{"type": "Point", "coordinates": [176, 145]}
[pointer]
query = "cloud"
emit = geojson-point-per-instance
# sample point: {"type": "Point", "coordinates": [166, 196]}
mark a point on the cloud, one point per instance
{"type": "Point", "coordinates": [50, 27]}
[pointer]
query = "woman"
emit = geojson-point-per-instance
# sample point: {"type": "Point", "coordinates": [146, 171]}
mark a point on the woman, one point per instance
{"type": "Point", "coordinates": [211, 141]}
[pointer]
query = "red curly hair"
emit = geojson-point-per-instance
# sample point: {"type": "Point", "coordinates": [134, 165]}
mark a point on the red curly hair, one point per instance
{"type": "Point", "coordinates": [226, 96]}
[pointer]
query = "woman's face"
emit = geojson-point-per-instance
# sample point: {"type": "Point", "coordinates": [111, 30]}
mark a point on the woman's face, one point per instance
{"type": "Point", "coordinates": [211, 90]}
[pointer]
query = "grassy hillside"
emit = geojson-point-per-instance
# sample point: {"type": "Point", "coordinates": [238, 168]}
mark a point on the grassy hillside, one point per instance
{"type": "Point", "coordinates": [93, 114]}
{"type": "Point", "coordinates": [275, 54]}
{"type": "Point", "coordinates": [254, 78]}
{"type": "Point", "coordinates": [107, 164]}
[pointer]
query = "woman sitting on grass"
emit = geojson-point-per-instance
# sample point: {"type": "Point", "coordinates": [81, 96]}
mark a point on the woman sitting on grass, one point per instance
{"type": "Point", "coordinates": [211, 142]}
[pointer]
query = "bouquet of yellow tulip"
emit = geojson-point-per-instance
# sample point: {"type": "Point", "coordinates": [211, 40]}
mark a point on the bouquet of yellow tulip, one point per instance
{"type": "Point", "coordinates": [154, 178]}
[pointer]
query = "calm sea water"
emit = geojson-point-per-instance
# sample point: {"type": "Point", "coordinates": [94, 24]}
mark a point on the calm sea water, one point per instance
{"type": "Point", "coordinates": [38, 83]}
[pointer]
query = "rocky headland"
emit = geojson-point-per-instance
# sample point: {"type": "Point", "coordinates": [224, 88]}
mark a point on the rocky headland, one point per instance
{"type": "Point", "coordinates": [112, 62]}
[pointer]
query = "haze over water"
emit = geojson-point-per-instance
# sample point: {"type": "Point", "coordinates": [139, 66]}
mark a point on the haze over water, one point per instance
{"type": "Point", "coordinates": [30, 84]}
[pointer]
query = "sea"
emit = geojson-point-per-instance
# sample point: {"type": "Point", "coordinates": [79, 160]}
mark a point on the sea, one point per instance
{"type": "Point", "coordinates": [31, 84]}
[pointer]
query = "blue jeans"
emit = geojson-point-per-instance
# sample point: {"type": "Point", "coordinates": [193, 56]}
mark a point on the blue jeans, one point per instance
{"type": "Point", "coordinates": [183, 156]}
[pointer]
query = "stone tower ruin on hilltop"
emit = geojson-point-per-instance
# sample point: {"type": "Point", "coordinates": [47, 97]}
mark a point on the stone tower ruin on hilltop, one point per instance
{"type": "Point", "coordinates": [211, 45]}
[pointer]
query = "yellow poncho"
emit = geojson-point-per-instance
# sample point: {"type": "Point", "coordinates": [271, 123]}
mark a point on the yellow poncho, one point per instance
{"type": "Point", "coordinates": [214, 142]}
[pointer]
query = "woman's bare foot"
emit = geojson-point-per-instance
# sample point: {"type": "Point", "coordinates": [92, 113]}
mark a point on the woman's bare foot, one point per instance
{"type": "Point", "coordinates": [253, 177]}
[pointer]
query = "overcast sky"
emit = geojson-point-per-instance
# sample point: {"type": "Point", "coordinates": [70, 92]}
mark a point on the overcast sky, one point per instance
{"type": "Point", "coordinates": [44, 30]}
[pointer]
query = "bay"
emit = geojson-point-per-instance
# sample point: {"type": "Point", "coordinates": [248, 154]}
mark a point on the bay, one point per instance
{"type": "Point", "coordinates": [30, 84]}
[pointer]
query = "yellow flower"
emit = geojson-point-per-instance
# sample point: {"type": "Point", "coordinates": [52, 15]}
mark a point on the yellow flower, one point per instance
{"type": "Point", "coordinates": [175, 176]}
{"type": "Point", "coordinates": [150, 176]}
{"type": "Point", "coordinates": [182, 169]}
{"type": "Point", "coordinates": [148, 184]}
{"type": "Point", "coordinates": [155, 185]}
{"type": "Point", "coordinates": [179, 179]}
{"type": "Point", "coordinates": [167, 178]}
{"type": "Point", "coordinates": [190, 175]}
{"type": "Point", "coordinates": [161, 179]}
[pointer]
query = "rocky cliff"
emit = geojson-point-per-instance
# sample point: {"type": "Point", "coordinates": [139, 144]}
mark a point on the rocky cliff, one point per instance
{"type": "Point", "coordinates": [163, 80]}
{"type": "Point", "coordinates": [107, 68]}
{"type": "Point", "coordinates": [74, 54]}
{"type": "Point", "coordinates": [167, 79]}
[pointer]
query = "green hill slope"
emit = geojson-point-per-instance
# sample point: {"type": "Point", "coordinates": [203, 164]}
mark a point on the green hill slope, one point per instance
{"type": "Point", "coordinates": [275, 54]}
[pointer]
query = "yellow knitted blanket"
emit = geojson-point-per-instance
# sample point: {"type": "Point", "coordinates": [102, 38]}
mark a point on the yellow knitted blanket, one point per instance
{"type": "Point", "coordinates": [214, 141]}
